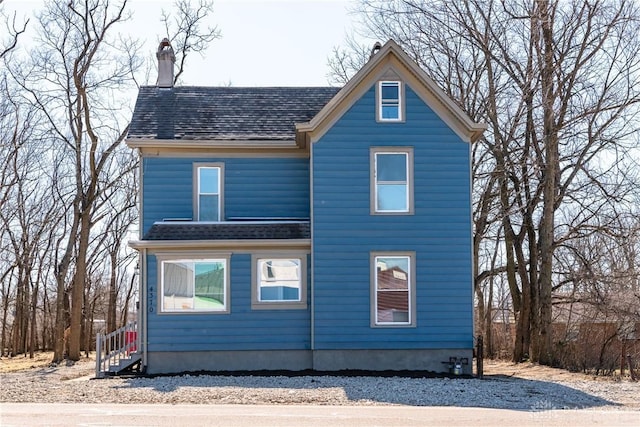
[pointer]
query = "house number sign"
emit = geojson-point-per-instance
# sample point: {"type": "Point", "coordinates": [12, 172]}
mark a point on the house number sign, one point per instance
{"type": "Point", "coordinates": [151, 298]}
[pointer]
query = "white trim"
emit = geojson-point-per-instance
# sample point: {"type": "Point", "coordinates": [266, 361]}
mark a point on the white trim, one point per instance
{"type": "Point", "coordinates": [221, 244]}
{"type": "Point", "coordinates": [373, 180]}
{"type": "Point", "coordinates": [411, 289]}
{"type": "Point", "coordinates": [380, 100]}
{"type": "Point", "coordinates": [150, 142]}
{"type": "Point", "coordinates": [224, 153]}
{"type": "Point", "coordinates": [197, 166]}
{"type": "Point", "coordinates": [144, 314]}
{"type": "Point", "coordinates": [391, 56]}
{"type": "Point", "coordinates": [169, 257]}
{"type": "Point", "coordinates": [312, 264]}
{"type": "Point", "coordinates": [301, 303]}
{"type": "Point", "coordinates": [472, 273]}
{"type": "Point", "coordinates": [140, 194]}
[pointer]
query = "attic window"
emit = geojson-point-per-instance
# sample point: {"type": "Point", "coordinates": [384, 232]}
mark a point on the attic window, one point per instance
{"type": "Point", "coordinates": [389, 101]}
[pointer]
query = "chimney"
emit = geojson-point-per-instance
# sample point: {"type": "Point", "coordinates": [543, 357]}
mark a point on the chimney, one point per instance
{"type": "Point", "coordinates": [376, 47]}
{"type": "Point", "coordinates": [166, 58]}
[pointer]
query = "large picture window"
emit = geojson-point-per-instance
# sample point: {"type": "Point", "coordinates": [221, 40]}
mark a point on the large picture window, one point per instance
{"type": "Point", "coordinates": [393, 290]}
{"type": "Point", "coordinates": [392, 189]}
{"type": "Point", "coordinates": [279, 282]}
{"type": "Point", "coordinates": [208, 197]}
{"type": "Point", "coordinates": [189, 285]}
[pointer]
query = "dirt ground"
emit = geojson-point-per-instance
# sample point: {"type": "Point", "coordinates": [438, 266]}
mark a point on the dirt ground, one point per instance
{"type": "Point", "coordinates": [40, 360]}
{"type": "Point", "coordinates": [525, 370]}
{"type": "Point", "coordinates": [533, 371]}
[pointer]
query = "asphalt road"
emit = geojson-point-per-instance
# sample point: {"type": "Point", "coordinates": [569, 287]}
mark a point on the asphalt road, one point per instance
{"type": "Point", "coordinates": [70, 414]}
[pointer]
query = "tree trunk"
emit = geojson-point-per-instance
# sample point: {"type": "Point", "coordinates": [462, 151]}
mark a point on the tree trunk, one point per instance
{"type": "Point", "coordinates": [488, 334]}
{"type": "Point", "coordinates": [77, 291]}
{"type": "Point", "coordinates": [544, 353]}
{"type": "Point", "coordinates": [113, 293]}
{"type": "Point", "coordinates": [60, 325]}
{"type": "Point", "coordinates": [34, 309]}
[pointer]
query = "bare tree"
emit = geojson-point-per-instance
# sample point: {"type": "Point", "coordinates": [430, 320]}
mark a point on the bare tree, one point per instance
{"type": "Point", "coordinates": [555, 82]}
{"type": "Point", "coordinates": [13, 30]}
{"type": "Point", "coordinates": [184, 27]}
{"type": "Point", "coordinates": [76, 67]}
{"type": "Point", "coordinates": [76, 81]}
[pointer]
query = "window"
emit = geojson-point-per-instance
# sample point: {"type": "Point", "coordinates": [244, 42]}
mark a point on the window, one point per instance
{"type": "Point", "coordinates": [389, 101]}
{"type": "Point", "coordinates": [189, 285]}
{"type": "Point", "coordinates": [393, 289]}
{"type": "Point", "coordinates": [279, 282]}
{"type": "Point", "coordinates": [208, 197]}
{"type": "Point", "coordinates": [392, 189]}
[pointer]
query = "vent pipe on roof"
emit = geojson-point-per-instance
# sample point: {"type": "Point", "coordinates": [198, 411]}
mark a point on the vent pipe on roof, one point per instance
{"type": "Point", "coordinates": [166, 58]}
{"type": "Point", "coordinates": [376, 47]}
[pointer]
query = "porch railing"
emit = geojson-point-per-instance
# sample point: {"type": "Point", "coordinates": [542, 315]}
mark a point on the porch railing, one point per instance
{"type": "Point", "coordinates": [115, 349]}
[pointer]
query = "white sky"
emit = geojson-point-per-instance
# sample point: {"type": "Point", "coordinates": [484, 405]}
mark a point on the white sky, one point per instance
{"type": "Point", "coordinates": [264, 42]}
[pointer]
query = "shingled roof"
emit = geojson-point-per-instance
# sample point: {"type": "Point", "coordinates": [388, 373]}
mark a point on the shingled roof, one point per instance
{"type": "Point", "coordinates": [178, 230]}
{"type": "Point", "coordinates": [225, 113]}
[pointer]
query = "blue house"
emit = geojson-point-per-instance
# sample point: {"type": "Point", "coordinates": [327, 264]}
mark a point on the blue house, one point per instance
{"type": "Point", "coordinates": [294, 228]}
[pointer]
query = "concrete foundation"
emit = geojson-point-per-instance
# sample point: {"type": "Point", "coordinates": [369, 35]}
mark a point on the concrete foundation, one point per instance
{"type": "Point", "coordinates": [393, 360]}
{"type": "Point", "coordinates": [193, 361]}
{"type": "Point", "coordinates": [299, 360]}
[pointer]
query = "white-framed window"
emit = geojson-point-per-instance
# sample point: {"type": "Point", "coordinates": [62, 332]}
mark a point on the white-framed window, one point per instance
{"type": "Point", "coordinates": [208, 180]}
{"type": "Point", "coordinates": [279, 281]}
{"type": "Point", "coordinates": [393, 289]}
{"type": "Point", "coordinates": [189, 285]}
{"type": "Point", "coordinates": [392, 180]}
{"type": "Point", "coordinates": [390, 101]}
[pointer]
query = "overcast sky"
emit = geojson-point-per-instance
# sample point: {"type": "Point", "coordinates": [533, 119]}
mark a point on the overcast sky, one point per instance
{"type": "Point", "coordinates": [264, 42]}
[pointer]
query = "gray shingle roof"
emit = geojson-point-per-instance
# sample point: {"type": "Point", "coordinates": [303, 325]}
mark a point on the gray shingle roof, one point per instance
{"type": "Point", "coordinates": [225, 113]}
{"type": "Point", "coordinates": [228, 230]}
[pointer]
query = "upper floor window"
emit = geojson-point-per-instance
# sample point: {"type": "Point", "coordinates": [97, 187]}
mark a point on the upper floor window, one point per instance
{"type": "Point", "coordinates": [392, 180]}
{"type": "Point", "coordinates": [208, 197]}
{"type": "Point", "coordinates": [389, 101]}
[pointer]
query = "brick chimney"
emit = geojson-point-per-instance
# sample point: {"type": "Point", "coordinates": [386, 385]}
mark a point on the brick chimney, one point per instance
{"type": "Point", "coordinates": [166, 58]}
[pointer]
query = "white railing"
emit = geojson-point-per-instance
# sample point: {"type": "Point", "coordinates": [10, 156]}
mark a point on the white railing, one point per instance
{"type": "Point", "coordinates": [116, 347]}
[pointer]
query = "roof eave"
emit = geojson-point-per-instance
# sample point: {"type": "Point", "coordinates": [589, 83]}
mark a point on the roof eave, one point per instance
{"type": "Point", "coordinates": [221, 244]}
{"type": "Point", "coordinates": [208, 143]}
{"type": "Point", "coordinates": [445, 107]}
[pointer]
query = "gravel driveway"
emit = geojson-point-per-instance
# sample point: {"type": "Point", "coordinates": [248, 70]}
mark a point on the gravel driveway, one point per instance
{"type": "Point", "coordinates": [67, 384]}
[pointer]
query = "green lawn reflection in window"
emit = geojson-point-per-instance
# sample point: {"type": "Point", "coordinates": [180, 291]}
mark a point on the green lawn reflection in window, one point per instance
{"type": "Point", "coordinates": [194, 285]}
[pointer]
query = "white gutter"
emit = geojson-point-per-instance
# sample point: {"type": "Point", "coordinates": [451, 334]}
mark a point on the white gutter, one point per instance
{"type": "Point", "coordinates": [222, 244]}
{"type": "Point", "coordinates": [312, 263]}
{"type": "Point", "coordinates": [143, 307]}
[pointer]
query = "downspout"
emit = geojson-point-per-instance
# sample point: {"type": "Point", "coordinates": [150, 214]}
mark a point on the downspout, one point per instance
{"type": "Point", "coordinates": [143, 265]}
{"type": "Point", "coordinates": [312, 263]}
{"type": "Point", "coordinates": [473, 279]}
{"type": "Point", "coordinates": [143, 307]}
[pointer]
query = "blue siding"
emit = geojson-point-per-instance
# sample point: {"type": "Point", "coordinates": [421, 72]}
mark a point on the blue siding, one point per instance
{"type": "Point", "coordinates": [241, 329]}
{"type": "Point", "coordinates": [345, 233]}
{"type": "Point", "coordinates": [262, 187]}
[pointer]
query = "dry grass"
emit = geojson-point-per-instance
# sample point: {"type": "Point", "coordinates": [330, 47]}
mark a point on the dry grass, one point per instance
{"type": "Point", "coordinates": [526, 370]}
{"type": "Point", "coordinates": [24, 363]}
{"type": "Point", "coordinates": [533, 371]}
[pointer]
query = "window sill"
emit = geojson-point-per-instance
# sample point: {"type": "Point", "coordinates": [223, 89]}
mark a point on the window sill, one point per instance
{"type": "Point", "coordinates": [297, 305]}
